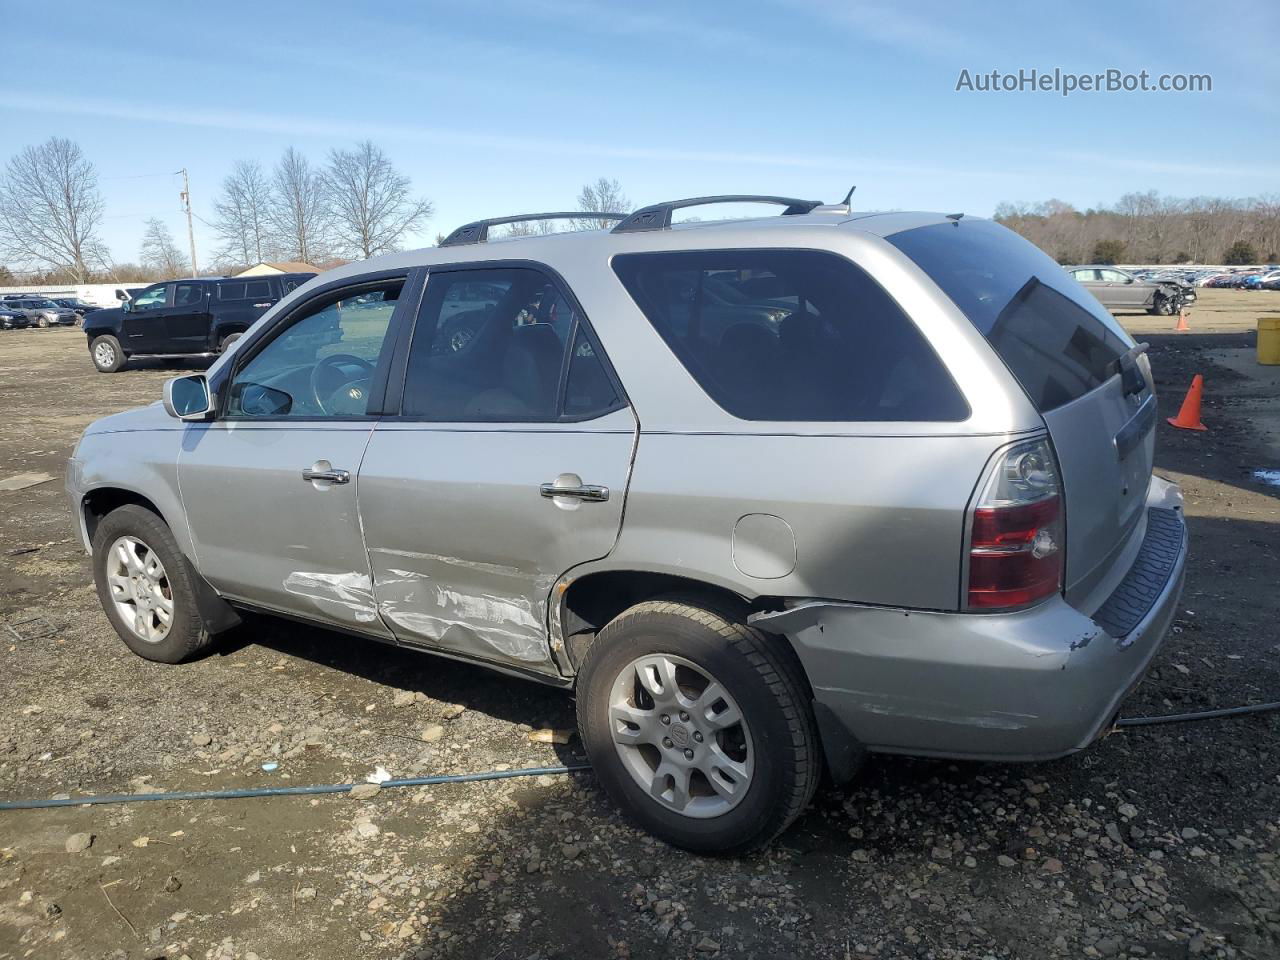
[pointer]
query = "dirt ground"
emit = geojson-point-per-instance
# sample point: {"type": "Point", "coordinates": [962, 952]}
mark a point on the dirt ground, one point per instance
{"type": "Point", "coordinates": [1158, 842]}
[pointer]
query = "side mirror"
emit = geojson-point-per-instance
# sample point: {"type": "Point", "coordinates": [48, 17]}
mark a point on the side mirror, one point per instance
{"type": "Point", "coordinates": [188, 398]}
{"type": "Point", "coordinates": [126, 306]}
{"type": "Point", "coordinates": [255, 400]}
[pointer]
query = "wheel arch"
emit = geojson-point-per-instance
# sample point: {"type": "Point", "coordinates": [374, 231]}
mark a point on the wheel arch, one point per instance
{"type": "Point", "coordinates": [100, 501]}
{"type": "Point", "coordinates": [97, 503]}
{"type": "Point", "coordinates": [583, 605]}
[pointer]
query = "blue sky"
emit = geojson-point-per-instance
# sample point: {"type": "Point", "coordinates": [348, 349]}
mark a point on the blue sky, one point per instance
{"type": "Point", "coordinates": [502, 107]}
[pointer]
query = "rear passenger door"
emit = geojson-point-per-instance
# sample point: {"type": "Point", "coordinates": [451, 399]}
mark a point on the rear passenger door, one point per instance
{"type": "Point", "coordinates": [186, 321]}
{"type": "Point", "coordinates": [505, 466]}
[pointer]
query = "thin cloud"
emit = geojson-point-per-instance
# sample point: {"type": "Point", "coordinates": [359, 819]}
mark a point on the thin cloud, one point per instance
{"type": "Point", "coordinates": [341, 129]}
{"type": "Point", "coordinates": [1144, 165]}
{"type": "Point", "coordinates": [896, 26]}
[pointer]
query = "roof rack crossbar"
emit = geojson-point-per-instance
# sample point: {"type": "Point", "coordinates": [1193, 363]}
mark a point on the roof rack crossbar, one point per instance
{"type": "Point", "coordinates": [658, 215]}
{"type": "Point", "coordinates": [478, 232]}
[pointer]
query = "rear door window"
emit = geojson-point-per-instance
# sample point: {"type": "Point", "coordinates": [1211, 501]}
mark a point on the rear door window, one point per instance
{"type": "Point", "coordinates": [187, 294]}
{"type": "Point", "coordinates": [1053, 335]}
{"type": "Point", "coordinates": [791, 335]}
{"type": "Point", "coordinates": [500, 345]}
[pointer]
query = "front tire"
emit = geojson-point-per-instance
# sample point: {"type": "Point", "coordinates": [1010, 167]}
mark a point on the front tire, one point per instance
{"type": "Point", "coordinates": [1164, 306]}
{"type": "Point", "coordinates": [106, 353]}
{"type": "Point", "coordinates": [698, 726]}
{"type": "Point", "coordinates": [145, 586]}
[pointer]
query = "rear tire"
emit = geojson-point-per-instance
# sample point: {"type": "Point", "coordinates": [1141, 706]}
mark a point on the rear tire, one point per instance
{"type": "Point", "coordinates": [141, 573]}
{"type": "Point", "coordinates": [688, 772]}
{"type": "Point", "coordinates": [106, 353]}
{"type": "Point", "coordinates": [227, 341]}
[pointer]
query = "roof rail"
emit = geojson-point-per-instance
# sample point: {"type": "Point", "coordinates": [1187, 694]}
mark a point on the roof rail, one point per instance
{"type": "Point", "coordinates": [658, 215]}
{"type": "Point", "coordinates": [478, 232]}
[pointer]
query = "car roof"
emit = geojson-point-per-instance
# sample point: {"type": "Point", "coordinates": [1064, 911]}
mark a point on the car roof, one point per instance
{"type": "Point", "coordinates": [553, 247]}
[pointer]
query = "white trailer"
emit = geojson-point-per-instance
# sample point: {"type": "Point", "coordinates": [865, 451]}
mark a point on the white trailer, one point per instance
{"type": "Point", "coordinates": [100, 294]}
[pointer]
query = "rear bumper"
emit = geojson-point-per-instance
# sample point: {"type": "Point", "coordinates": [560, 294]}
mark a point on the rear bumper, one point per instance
{"type": "Point", "coordinates": [1031, 685]}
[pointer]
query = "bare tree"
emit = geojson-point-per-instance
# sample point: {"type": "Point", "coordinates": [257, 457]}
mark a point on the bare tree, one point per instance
{"type": "Point", "coordinates": [370, 201]}
{"type": "Point", "coordinates": [1149, 228]}
{"type": "Point", "coordinates": [243, 215]}
{"type": "Point", "coordinates": [160, 252]}
{"type": "Point", "coordinates": [603, 196]}
{"type": "Point", "coordinates": [50, 208]}
{"type": "Point", "coordinates": [526, 228]}
{"type": "Point", "coordinates": [300, 219]}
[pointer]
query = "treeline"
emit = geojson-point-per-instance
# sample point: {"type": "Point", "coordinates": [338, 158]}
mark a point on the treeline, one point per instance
{"type": "Point", "coordinates": [1149, 228]}
{"type": "Point", "coordinates": [355, 204]}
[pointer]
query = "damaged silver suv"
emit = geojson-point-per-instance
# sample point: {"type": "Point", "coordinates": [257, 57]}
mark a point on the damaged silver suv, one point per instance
{"type": "Point", "coordinates": [766, 494]}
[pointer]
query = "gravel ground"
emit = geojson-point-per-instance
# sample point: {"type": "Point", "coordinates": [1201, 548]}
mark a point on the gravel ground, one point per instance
{"type": "Point", "coordinates": [1158, 842]}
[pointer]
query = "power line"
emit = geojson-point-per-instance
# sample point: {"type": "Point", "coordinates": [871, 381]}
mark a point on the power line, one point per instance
{"type": "Point", "coordinates": [141, 176]}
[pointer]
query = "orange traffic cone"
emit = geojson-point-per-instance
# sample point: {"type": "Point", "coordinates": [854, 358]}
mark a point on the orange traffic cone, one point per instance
{"type": "Point", "coordinates": [1188, 417]}
{"type": "Point", "coordinates": [1183, 326]}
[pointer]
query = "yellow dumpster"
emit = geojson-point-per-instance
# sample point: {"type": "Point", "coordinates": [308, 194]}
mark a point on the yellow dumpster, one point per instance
{"type": "Point", "coordinates": [1269, 340]}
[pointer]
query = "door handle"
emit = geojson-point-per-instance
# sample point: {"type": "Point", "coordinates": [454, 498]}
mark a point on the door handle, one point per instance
{"type": "Point", "coordinates": [329, 476]}
{"type": "Point", "coordinates": [584, 491]}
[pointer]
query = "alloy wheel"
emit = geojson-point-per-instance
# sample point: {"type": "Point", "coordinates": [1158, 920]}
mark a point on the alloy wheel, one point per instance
{"type": "Point", "coordinates": [140, 589]}
{"type": "Point", "coordinates": [681, 736]}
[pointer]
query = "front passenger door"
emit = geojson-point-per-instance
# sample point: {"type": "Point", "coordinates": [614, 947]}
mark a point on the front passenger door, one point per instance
{"type": "Point", "coordinates": [144, 322]}
{"type": "Point", "coordinates": [270, 485]}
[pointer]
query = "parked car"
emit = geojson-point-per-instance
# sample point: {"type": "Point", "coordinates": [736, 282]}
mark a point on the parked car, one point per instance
{"type": "Point", "coordinates": [80, 307]}
{"type": "Point", "coordinates": [11, 319]}
{"type": "Point", "coordinates": [915, 515]}
{"type": "Point", "coordinates": [183, 318]}
{"type": "Point", "coordinates": [1118, 289]}
{"type": "Point", "coordinates": [40, 311]}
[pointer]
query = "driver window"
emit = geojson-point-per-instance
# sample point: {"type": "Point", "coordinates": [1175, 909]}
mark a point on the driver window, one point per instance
{"type": "Point", "coordinates": [323, 364]}
{"type": "Point", "coordinates": [151, 298]}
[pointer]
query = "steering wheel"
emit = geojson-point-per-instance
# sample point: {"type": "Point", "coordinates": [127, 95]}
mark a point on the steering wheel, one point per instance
{"type": "Point", "coordinates": [347, 396]}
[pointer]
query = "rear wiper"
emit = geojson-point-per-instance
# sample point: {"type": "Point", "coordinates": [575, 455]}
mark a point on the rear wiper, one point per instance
{"type": "Point", "coordinates": [1131, 378]}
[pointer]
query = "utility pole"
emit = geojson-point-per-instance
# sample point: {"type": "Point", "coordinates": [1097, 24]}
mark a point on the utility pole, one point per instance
{"type": "Point", "coordinates": [191, 232]}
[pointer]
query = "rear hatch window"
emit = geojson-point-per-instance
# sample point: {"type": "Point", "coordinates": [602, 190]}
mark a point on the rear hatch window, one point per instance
{"type": "Point", "coordinates": [1064, 349]}
{"type": "Point", "coordinates": [791, 335]}
{"type": "Point", "coordinates": [1053, 335]}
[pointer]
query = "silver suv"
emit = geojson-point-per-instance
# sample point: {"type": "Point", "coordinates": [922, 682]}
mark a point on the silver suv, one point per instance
{"type": "Point", "coordinates": [765, 495]}
{"type": "Point", "coordinates": [41, 311]}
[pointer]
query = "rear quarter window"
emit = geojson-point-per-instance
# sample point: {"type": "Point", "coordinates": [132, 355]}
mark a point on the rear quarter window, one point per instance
{"type": "Point", "coordinates": [791, 335]}
{"type": "Point", "coordinates": [1052, 334]}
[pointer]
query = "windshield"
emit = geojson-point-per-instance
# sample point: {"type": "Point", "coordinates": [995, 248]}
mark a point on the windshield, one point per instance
{"type": "Point", "coordinates": [1054, 336]}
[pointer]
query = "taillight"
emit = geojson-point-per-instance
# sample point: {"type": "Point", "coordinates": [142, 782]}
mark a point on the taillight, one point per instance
{"type": "Point", "coordinates": [1016, 539]}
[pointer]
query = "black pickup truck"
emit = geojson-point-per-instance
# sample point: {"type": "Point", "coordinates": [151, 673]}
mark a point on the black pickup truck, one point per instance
{"type": "Point", "coordinates": [183, 318]}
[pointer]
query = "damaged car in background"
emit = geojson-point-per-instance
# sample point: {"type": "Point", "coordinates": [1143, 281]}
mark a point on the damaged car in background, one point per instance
{"type": "Point", "coordinates": [766, 495]}
{"type": "Point", "coordinates": [1120, 290]}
